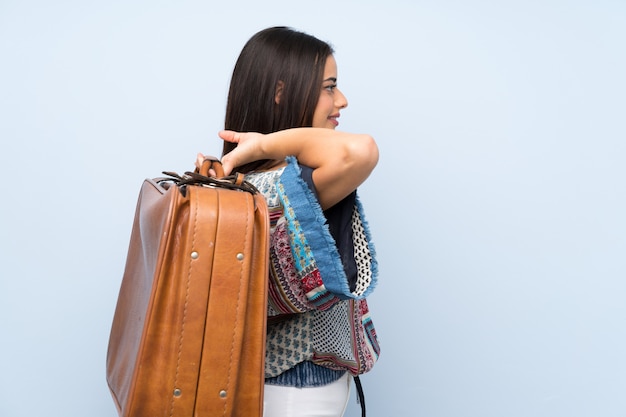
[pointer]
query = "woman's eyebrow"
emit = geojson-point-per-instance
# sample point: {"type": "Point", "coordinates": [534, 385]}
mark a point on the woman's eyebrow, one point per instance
{"type": "Point", "coordinates": [333, 79]}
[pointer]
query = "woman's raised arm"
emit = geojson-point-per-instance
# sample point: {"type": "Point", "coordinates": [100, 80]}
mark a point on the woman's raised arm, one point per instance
{"type": "Point", "coordinates": [341, 161]}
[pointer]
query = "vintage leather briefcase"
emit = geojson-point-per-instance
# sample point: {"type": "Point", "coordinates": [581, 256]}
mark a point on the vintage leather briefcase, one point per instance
{"type": "Point", "coordinates": [188, 335]}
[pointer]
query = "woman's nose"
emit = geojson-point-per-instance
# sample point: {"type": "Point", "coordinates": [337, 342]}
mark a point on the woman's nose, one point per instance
{"type": "Point", "coordinates": [341, 100]}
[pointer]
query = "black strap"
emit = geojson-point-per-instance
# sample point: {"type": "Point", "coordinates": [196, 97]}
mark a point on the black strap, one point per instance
{"type": "Point", "coordinates": [359, 391]}
{"type": "Point", "coordinates": [232, 182]}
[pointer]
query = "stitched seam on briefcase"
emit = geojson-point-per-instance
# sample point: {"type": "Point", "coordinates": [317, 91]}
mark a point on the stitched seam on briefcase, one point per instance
{"type": "Point", "coordinates": [182, 331]}
{"type": "Point", "coordinates": [232, 344]}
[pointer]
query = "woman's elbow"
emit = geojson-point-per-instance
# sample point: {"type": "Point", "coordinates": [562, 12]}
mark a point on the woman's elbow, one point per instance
{"type": "Point", "coordinates": [366, 152]}
{"type": "Point", "coordinates": [372, 151]}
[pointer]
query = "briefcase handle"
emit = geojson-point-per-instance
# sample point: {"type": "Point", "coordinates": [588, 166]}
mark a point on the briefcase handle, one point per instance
{"type": "Point", "coordinates": [210, 162]}
{"type": "Point", "coordinates": [214, 164]}
{"type": "Point", "coordinates": [202, 176]}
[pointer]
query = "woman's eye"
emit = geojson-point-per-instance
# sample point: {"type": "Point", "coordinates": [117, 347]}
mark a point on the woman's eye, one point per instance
{"type": "Point", "coordinates": [331, 87]}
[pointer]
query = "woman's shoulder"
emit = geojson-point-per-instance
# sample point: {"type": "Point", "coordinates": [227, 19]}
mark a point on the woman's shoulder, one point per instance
{"type": "Point", "coordinates": [265, 175]}
{"type": "Point", "coordinates": [265, 181]}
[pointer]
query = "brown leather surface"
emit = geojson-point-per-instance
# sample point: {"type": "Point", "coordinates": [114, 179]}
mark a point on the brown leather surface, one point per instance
{"type": "Point", "coordinates": [188, 335]}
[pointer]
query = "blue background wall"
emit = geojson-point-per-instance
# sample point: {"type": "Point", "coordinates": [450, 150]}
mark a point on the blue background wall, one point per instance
{"type": "Point", "coordinates": [497, 207]}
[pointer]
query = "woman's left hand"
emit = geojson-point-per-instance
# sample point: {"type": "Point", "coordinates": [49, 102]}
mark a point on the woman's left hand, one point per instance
{"type": "Point", "coordinates": [248, 149]}
{"type": "Point", "coordinates": [200, 158]}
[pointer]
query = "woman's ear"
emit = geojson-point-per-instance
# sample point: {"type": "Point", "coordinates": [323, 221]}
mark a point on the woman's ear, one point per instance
{"type": "Point", "coordinates": [279, 91]}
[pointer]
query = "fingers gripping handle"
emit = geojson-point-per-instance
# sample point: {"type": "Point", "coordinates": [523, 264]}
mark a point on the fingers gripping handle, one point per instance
{"type": "Point", "coordinates": [215, 165]}
{"type": "Point", "coordinates": [211, 172]}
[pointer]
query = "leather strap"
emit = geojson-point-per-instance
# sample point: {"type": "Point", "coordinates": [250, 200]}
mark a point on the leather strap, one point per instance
{"type": "Point", "coordinates": [211, 163]}
{"type": "Point", "coordinates": [361, 395]}
{"type": "Point", "coordinates": [202, 176]}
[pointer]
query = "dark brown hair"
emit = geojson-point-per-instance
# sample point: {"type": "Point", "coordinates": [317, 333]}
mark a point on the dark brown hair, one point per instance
{"type": "Point", "coordinates": [277, 57]}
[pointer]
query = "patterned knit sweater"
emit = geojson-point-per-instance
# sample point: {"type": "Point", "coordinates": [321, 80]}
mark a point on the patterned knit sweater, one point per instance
{"type": "Point", "coordinates": [322, 266]}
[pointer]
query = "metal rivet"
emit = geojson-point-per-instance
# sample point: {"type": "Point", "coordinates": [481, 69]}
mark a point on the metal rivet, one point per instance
{"type": "Point", "coordinates": [223, 394]}
{"type": "Point", "coordinates": [240, 256]}
{"type": "Point", "coordinates": [177, 392]}
{"type": "Point", "coordinates": [194, 255]}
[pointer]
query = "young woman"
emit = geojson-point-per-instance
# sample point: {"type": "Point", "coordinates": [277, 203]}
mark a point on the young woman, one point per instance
{"type": "Point", "coordinates": [282, 111]}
